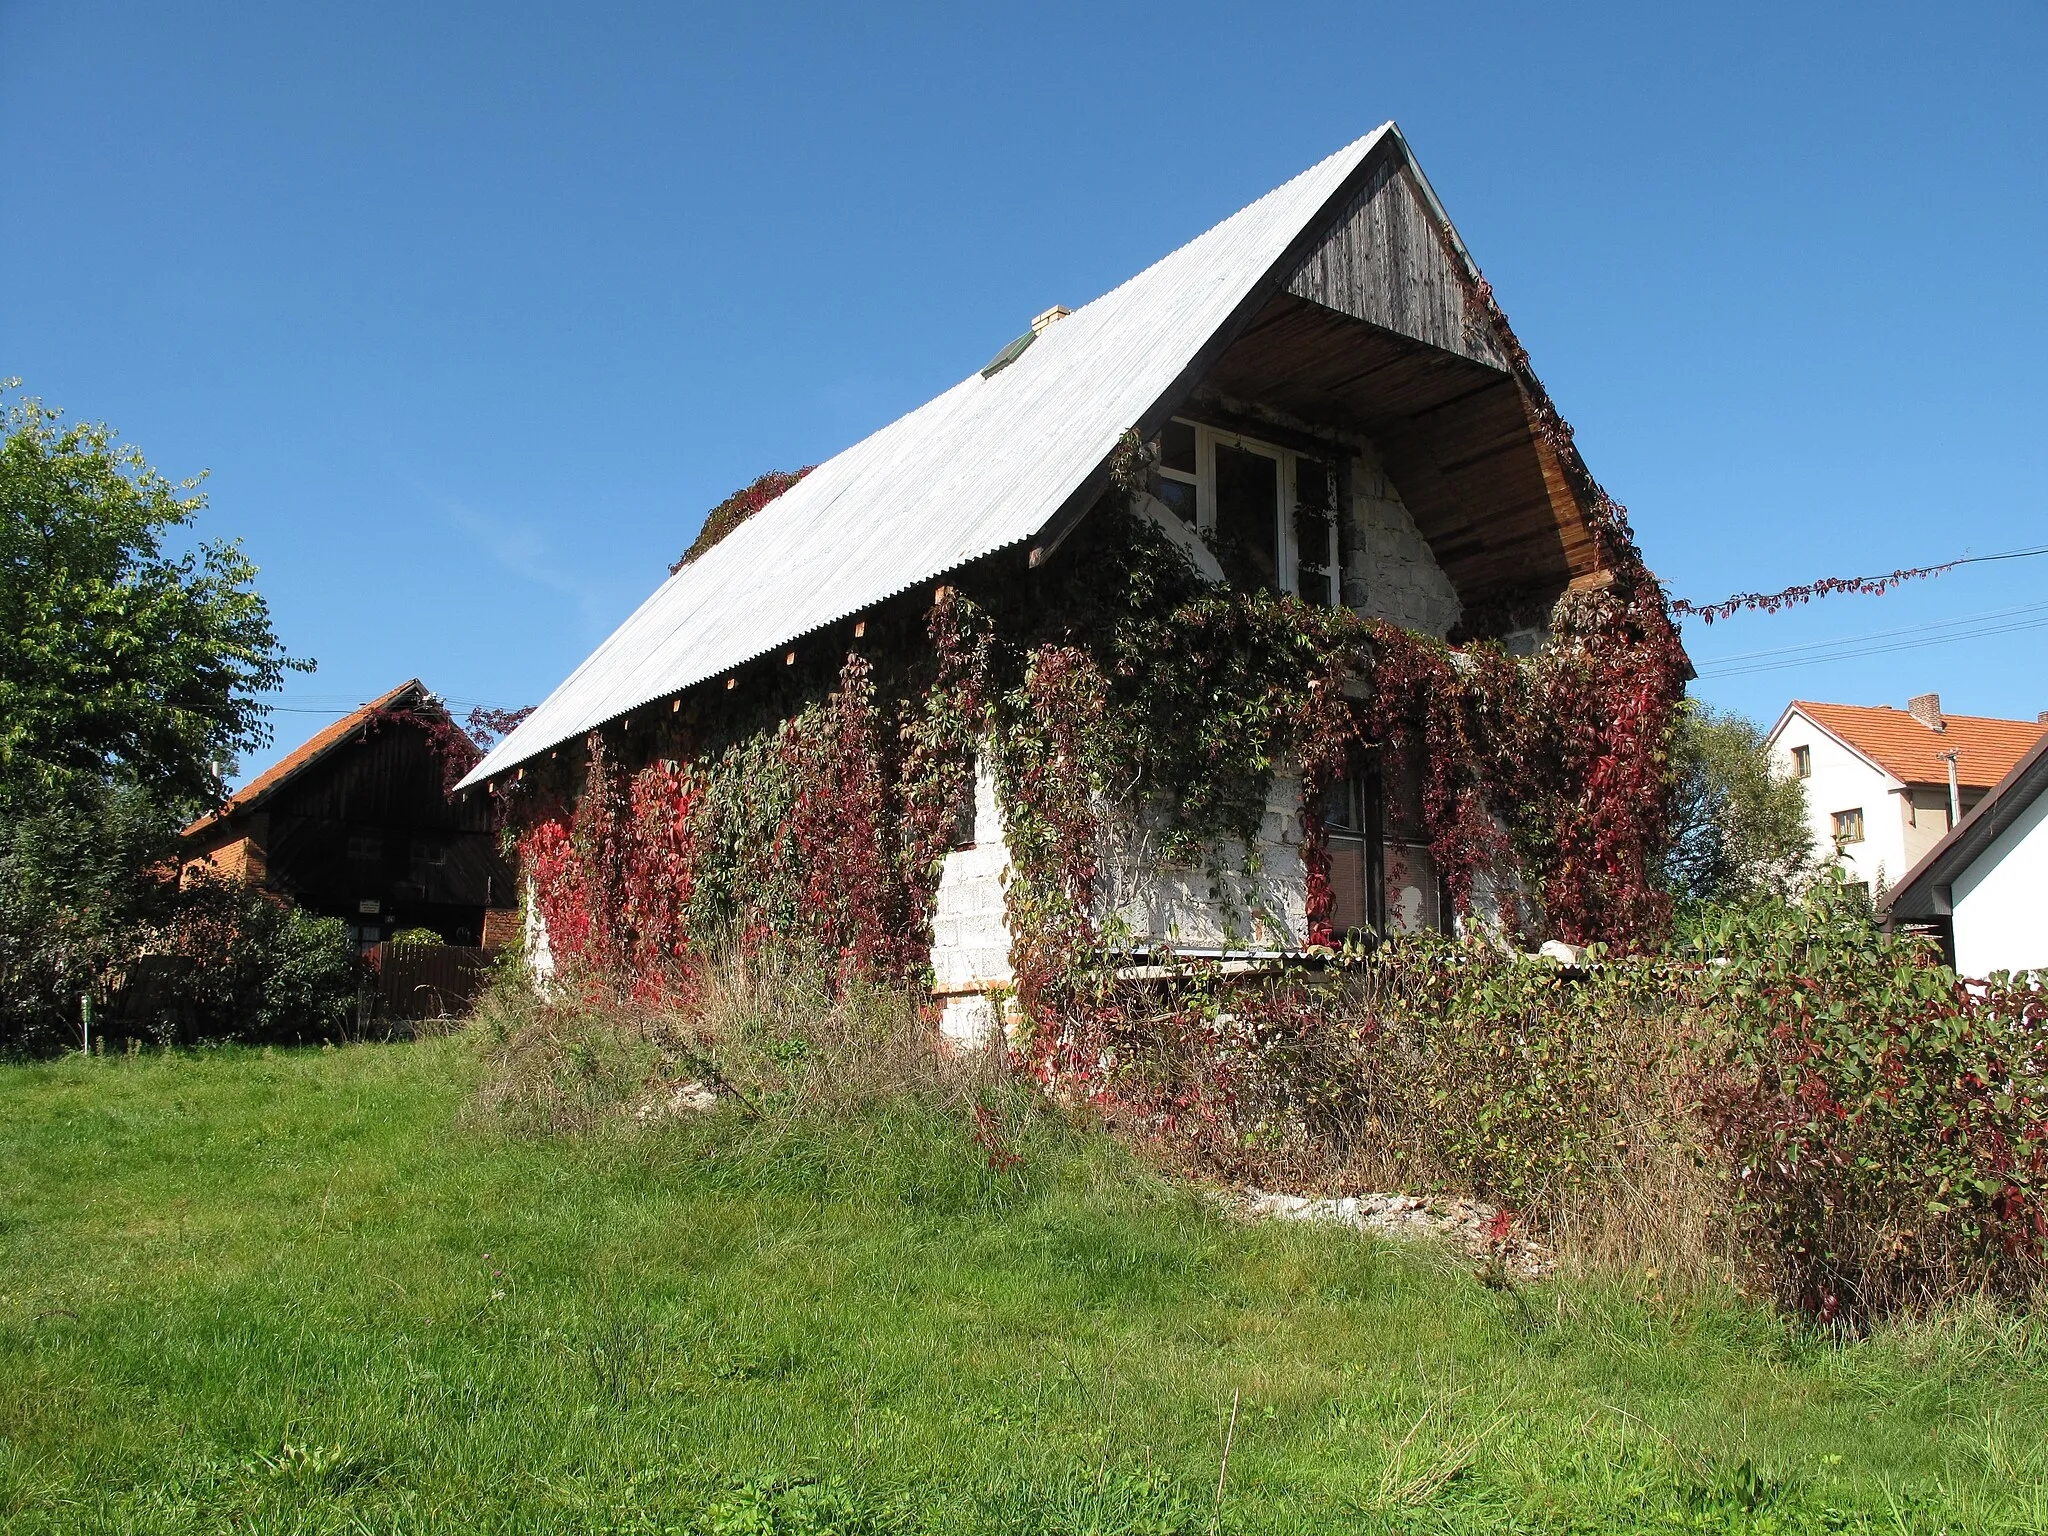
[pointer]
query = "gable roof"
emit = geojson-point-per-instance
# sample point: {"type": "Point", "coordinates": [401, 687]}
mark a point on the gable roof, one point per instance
{"type": "Point", "coordinates": [303, 756]}
{"type": "Point", "coordinates": [1921, 893]}
{"type": "Point", "coordinates": [1008, 455]}
{"type": "Point", "coordinates": [1897, 742]}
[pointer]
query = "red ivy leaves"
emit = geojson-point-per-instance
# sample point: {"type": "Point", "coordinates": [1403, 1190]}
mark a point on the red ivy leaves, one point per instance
{"type": "Point", "coordinates": [840, 834]}
{"type": "Point", "coordinates": [619, 887]}
{"type": "Point", "coordinates": [736, 509]}
{"type": "Point", "coordinates": [451, 745]}
{"type": "Point", "coordinates": [1771, 602]}
{"type": "Point", "coordinates": [487, 725]}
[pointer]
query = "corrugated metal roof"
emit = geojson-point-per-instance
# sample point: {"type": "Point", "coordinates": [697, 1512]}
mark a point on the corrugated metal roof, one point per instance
{"type": "Point", "coordinates": [982, 467]}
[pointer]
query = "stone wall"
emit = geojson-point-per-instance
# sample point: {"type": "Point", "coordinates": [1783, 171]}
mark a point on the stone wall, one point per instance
{"type": "Point", "coordinates": [1227, 908]}
{"type": "Point", "coordinates": [970, 931]}
{"type": "Point", "coordinates": [1389, 572]}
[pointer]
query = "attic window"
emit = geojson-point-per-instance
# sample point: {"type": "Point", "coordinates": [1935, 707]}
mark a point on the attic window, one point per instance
{"type": "Point", "coordinates": [1315, 528]}
{"type": "Point", "coordinates": [1802, 762]}
{"type": "Point", "coordinates": [1175, 482]}
{"type": "Point", "coordinates": [1248, 515]}
{"type": "Point", "coordinates": [1269, 512]}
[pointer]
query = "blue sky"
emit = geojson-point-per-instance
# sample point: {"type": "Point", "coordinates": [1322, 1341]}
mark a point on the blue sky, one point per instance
{"type": "Point", "coordinates": [473, 311]}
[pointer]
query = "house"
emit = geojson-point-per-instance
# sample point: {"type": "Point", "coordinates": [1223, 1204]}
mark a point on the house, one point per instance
{"type": "Point", "coordinates": [356, 823]}
{"type": "Point", "coordinates": [1316, 401]}
{"type": "Point", "coordinates": [1983, 889]}
{"type": "Point", "coordinates": [1884, 785]}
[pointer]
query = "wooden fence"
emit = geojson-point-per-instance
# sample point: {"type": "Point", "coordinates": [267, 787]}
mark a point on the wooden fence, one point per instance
{"type": "Point", "coordinates": [424, 981]}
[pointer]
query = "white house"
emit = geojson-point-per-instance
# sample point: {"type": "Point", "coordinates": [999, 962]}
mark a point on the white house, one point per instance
{"type": "Point", "coordinates": [1984, 887]}
{"type": "Point", "coordinates": [1884, 785]}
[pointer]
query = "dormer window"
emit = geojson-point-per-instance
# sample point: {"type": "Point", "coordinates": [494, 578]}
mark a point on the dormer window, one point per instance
{"type": "Point", "coordinates": [1268, 512]}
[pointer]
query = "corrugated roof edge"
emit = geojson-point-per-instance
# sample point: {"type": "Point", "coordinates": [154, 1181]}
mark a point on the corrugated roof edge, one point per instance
{"type": "Point", "coordinates": [513, 751]}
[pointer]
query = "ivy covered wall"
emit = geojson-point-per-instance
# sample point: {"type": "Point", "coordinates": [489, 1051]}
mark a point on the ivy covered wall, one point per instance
{"type": "Point", "coordinates": [1155, 750]}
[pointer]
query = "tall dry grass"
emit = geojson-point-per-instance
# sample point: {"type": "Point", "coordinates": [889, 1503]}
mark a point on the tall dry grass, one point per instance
{"type": "Point", "coordinates": [759, 1033]}
{"type": "Point", "coordinates": [1562, 1099]}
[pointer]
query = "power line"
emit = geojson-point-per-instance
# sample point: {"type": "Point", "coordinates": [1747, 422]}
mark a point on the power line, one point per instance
{"type": "Point", "coordinates": [1853, 652]}
{"type": "Point", "coordinates": [1771, 602]}
{"type": "Point", "coordinates": [1875, 634]}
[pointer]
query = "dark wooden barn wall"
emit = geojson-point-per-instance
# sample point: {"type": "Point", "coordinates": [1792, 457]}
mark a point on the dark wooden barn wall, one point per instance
{"type": "Point", "coordinates": [369, 822]}
{"type": "Point", "coordinates": [1383, 262]}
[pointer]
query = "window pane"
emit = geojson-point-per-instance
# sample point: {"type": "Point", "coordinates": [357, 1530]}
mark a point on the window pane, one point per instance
{"type": "Point", "coordinates": [1343, 806]}
{"type": "Point", "coordinates": [1248, 517]}
{"type": "Point", "coordinates": [1177, 494]}
{"type": "Point", "coordinates": [1177, 447]}
{"type": "Point", "coordinates": [1347, 884]}
{"type": "Point", "coordinates": [1312, 485]}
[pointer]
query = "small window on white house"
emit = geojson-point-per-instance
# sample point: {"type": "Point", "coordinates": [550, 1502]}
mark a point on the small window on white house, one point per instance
{"type": "Point", "coordinates": [965, 827]}
{"type": "Point", "coordinates": [1849, 826]}
{"type": "Point", "coordinates": [1802, 762]}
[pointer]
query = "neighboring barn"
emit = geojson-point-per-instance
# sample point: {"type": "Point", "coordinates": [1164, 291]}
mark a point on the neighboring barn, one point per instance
{"type": "Point", "coordinates": [357, 823]}
{"type": "Point", "coordinates": [1134, 639]}
{"type": "Point", "coordinates": [1983, 889]}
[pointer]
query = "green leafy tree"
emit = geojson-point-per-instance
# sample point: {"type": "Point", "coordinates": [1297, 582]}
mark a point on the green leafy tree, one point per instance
{"type": "Point", "coordinates": [131, 677]}
{"type": "Point", "coordinates": [122, 660]}
{"type": "Point", "coordinates": [1739, 831]}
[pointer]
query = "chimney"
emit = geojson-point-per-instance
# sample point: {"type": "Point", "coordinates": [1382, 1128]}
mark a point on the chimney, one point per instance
{"type": "Point", "coordinates": [1926, 708]}
{"type": "Point", "coordinates": [1041, 321]}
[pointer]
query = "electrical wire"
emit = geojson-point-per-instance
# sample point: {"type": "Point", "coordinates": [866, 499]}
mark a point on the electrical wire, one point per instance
{"type": "Point", "coordinates": [2019, 620]}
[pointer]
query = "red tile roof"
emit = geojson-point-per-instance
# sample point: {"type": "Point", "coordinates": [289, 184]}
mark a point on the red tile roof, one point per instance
{"type": "Point", "coordinates": [308, 752]}
{"type": "Point", "coordinates": [1909, 751]}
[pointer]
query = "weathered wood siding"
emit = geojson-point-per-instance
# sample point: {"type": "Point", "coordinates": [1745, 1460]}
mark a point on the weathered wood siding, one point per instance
{"type": "Point", "coordinates": [369, 822]}
{"type": "Point", "coordinates": [1383, 262]}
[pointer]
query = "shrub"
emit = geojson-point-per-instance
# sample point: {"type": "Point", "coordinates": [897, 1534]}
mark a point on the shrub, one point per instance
{"type": "Point", "coordinates": [1885, 1123]}
{"type": "Point", "coordinates": [1427, 1066]}
{"type": "Point", "coordinates": [1804, 1100]}
{"type": "Point", "coordinates": [228, 962]}
{"type": "Point", "coordinates": [71, 901]}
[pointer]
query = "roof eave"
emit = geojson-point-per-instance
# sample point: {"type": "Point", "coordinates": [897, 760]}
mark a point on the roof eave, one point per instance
{"type": "Point", "coordinates": [236, 805]}
{"type": "Point", "coordinates": [1968, 838]}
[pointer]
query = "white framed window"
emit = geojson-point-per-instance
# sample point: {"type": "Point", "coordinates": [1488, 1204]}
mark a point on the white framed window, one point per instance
{"type": "Point", "coordinates": [1268, 512]}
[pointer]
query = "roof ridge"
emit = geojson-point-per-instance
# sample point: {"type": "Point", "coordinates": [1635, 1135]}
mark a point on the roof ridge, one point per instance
{"type": "Point", "coordinates": [302, 757]}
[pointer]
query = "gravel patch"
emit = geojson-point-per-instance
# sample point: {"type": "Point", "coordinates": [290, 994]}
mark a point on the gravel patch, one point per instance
{"type": "Point", "coordinates": [1473, 1228]}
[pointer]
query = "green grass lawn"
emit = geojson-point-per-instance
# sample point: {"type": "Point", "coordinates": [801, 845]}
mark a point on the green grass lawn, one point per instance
{"type": "Point", "coordinates": [300, 1292]}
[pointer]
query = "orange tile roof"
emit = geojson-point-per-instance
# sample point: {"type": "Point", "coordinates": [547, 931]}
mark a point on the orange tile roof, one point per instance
{"type": "Point", "coordinates": [311, 750]}
{"type": "Point", "coordinates": [1909, 751]}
